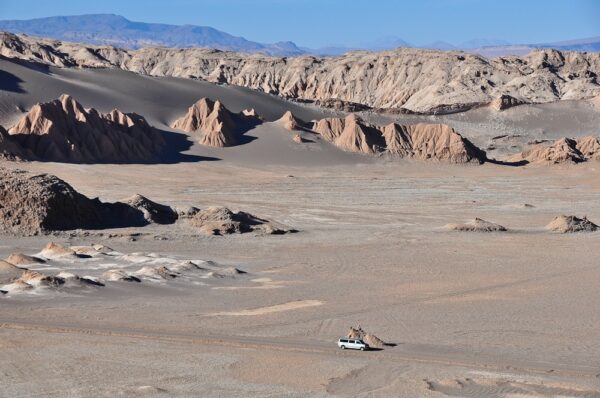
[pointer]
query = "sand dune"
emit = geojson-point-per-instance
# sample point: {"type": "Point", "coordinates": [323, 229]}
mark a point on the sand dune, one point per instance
{"type": "Point", "coordinates": [439, 82]}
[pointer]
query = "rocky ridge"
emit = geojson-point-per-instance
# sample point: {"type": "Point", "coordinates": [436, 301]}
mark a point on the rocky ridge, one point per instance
{"type": "Point", "coordinates": [406, 80]}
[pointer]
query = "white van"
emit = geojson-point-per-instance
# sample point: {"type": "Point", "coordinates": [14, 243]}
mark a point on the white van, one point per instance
{"type": "Point", "coordinates": [352, 344]}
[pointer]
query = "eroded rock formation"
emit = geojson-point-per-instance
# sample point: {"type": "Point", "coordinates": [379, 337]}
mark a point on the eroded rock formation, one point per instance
{"type": "Point", "coordinates": [64, 131]}
{"type": "Point", "coordinates": [406, 79]}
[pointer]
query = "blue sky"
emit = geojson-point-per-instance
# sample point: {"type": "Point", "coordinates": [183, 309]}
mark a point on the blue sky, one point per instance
{"type": "Point", "coordinates": [317, 23]}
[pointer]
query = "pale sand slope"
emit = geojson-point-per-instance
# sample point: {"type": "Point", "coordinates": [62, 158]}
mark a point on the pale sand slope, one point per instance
{"type": "Point", "coordinates": [517, 309]}
{"type": "Point", "coordinates": [159, 100]}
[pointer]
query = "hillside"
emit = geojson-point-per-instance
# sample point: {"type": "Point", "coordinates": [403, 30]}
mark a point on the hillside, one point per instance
{"type": "Point", "coordinates": [405, 80]}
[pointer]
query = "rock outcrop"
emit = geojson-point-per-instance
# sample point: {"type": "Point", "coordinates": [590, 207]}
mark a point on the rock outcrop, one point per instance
{"type": "Point", "coordinates": [505, 101]}
{"type": "Point", "coordinates": [9, 272]}
{"type": "Point", "coordinates": [420, 141]}
{"type": "Point", "coordinates": [406, 79]}
{"type": "Point", "coordinates": [212, 121]}
{"type": "Point", "coordinates": [589, 147]}
{"type": "Point", "coordinates": [9, 149]}
{"type": "Point", "coordinates": [63, 131]}
{"type": "Point", "coordinates": [350, 134]}
{"type": "Point", "coordinates": [564, 150]}
{"type": "Point", "coordinates": [36, 204]}
{"type": "Point", "coordinates": [567, 224]}
{"type": "Point", "coordinates": [153, 212]}
{"type": "Point", "coordinates": [32, 204]}
{"type": "Point", "coordinates": [222, 221]}
{"type": "Point", "coordinates": [19, 259]}
{"type": "Point", "coordinates": [215, 124]}
{"type": "Point", "coordinates": [372, 340]}
{"type": "Point", "coordinates": [431, 141]}
{"type": "Point", "coordinates": [291, 122]}
{"type": "Point", "coordinates": [297, 138]}
{"type": "Point", "coordinates": [477, 225]}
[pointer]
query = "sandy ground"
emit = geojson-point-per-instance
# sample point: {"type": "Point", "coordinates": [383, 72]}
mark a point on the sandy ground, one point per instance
{"type": "Point", "coordinates": [472, 314]}
{"type": "Point", "coordinates": [511, 314]}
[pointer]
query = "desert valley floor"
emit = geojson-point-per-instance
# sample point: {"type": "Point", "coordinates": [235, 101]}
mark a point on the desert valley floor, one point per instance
{"type": "Point", "coordinates": [501, 314]}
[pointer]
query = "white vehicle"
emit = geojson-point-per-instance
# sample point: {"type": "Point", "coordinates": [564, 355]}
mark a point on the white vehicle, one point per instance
{"type": "Point", "coordinates": [353, 344]}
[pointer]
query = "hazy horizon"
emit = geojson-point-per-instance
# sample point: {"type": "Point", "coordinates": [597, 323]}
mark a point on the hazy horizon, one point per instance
{"type": "Point", "coordinates": [457, 22]}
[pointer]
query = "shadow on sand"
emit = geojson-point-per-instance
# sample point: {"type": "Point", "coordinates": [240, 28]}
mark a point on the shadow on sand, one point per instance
{"type": "Point", "coordinates": [10, 82]}
{"type": "Point", "coordinates": [505, 163]}
{"type": "Point", "coordinates": [243, 126]}
{"type": "Point", "coordinates": [175, 145]}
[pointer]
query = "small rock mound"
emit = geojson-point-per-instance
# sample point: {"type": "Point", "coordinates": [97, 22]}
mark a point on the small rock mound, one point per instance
{"type": "Point", "coordinates": [589, 147]}
{"type": "Point", "coordinates": [477, 225]}
{"type": "Point", "coordinates": [291, 122]}
{"type": "Point", "coordinates": [63, 131]}
{"type": "Point", "coordinates": [562, 151]}
{"type": "Point", "coordinates": [119, 275]}
{"type": "Point", "coordinates": [9, 272]}
{"type": "Point", "coordinates": [569, 224]}
{"type": "Point", "coordinates": [55, 250]}
{"type": "Point", "coordinates": [222, 221]}
{"type": "Point", "coordinates": [372, 340]}
{"type": "Point", "coordinates": [23, 259]}
{"type": "Point", "coordinates": [298, 139]}
{"type": "Point", "coordinates": [37, 279]}
{"type": "Point", "coordinates": [185, 266]}
{"type": "Point", "coordinates": [216, 124]}
{"type": "Point", "coordinates": [17, 286]}
{"type": "Point", "coordinates": [160, 272]}
{"type": "Point", "coordinates": [72, 280]}
{"type": "Point", "coordinates": [505, 101]}
{"type": "Point", "coordinates": [91, 250]}
{"type": "Point", "coordinates": [250, 113]}
{"type": "Point", "coordinates": [152, 211]}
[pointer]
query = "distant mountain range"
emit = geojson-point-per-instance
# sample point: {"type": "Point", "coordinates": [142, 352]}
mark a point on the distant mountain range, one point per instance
{"type": "Point", "coordinates": [115, 30]}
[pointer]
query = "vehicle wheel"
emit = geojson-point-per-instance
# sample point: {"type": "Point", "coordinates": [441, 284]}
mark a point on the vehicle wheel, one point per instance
{"type": "Point", "coordinates": [343, 347]}
{"type": "Point", "coordinates": [362, 348]}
